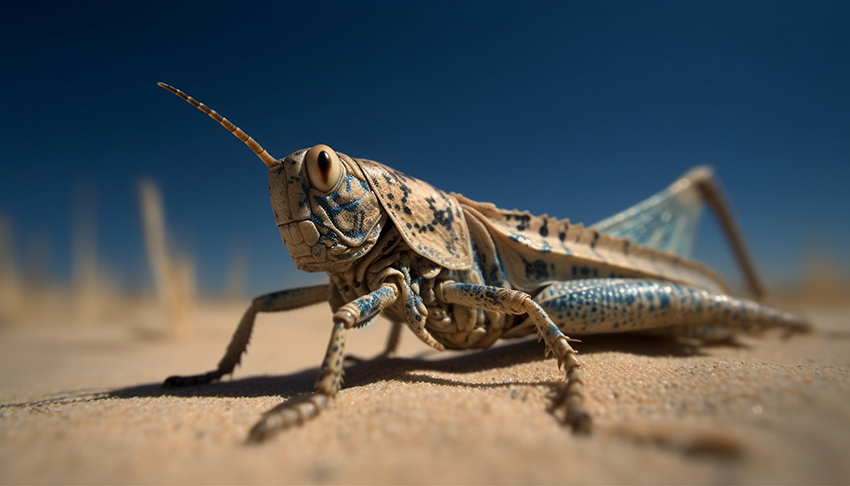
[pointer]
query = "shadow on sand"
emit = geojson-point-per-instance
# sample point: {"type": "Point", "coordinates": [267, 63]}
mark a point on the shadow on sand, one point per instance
{"type": "Point", "coordinates": [293, 385]}
{"type": "Point", "coordinates": [382, 369]}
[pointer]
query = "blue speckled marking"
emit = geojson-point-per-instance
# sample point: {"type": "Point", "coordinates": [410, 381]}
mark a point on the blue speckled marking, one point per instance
{"type": "Point", "coordinates": [616, 305]}
{"type": "Point", "coordinates": [370, 303]}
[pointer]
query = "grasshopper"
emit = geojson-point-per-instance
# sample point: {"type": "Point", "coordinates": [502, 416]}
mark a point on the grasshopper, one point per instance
{"type": "Point", "coordinates": [463, 274]}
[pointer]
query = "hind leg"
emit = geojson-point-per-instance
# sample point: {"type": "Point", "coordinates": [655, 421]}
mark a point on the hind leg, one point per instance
{"type": "Point", "coordinates": [669, 220]}
{"type": "Point", "coordinates": [709, 189]}
{"type": "Point", "coordinates": [597, 306]}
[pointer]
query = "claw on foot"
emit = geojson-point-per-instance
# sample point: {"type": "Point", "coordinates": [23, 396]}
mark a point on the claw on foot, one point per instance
{"type": "Point", "coordinates": [178, 381]}
{"type": "Point", "coordinates": [580, 422]}
{"type": "Point", "coordinates": [569, 400]}
{"type": "Point", "coordinates": [286, 415]}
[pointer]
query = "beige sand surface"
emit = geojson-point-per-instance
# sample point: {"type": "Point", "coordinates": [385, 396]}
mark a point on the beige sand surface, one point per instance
{"type": "Point", "coordinates": [83, 405]}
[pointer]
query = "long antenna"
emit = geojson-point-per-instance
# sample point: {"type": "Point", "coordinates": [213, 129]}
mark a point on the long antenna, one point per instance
{"type": "Point", "coordinates": [250, 142]}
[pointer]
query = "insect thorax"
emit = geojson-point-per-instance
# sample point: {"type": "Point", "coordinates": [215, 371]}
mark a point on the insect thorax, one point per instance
{"type": "Point", "coordinates": [418, 281]}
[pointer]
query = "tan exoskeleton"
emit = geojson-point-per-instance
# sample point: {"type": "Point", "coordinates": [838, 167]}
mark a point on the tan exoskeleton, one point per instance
{"type": "Point", "coordinates": [463, 274]}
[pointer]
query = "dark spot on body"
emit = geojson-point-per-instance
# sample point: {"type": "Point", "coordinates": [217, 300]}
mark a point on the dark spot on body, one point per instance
{"type": "Point", "coordinates": [522, 221]}
{"type": "Point", "coordinates": [536, 270]}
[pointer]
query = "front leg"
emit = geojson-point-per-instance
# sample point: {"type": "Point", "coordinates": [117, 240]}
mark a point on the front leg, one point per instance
{"type": "Point", "coordinates": [274, 302]}
{"type": "Point", "coordinates": [329, 381]}
{"type": "Point", "coordinates": [515, 302]}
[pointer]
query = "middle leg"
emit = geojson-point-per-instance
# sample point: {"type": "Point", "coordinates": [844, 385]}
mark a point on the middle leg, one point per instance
{"type": "Point", "coordinates": [515, 302]}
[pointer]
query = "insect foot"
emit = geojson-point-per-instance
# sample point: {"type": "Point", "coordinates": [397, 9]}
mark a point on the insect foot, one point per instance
{"type": "Point", "coordinates": [178, 381]}
{"type": "Point", "coordinates": [463, 274]}
{"type": "Point", "coordinates": [794, 325]}
{"type": "Point", "coordinates": [286, 415]}
{"type": "Point", "coordinates": [571, 398]}
{"type": "Point", "coordinates": [328, 383]}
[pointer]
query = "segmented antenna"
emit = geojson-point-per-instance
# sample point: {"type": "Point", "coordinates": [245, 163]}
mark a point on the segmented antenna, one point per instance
{"type": "Point", "coordinates": [250, 142]}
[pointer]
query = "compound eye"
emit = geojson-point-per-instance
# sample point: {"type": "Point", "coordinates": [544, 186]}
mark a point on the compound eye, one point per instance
{"type": "Point", "coordinates": [324, 169]}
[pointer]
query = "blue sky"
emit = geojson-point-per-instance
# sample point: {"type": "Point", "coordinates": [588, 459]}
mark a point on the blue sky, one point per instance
{"type": "Point", "coordinates": [575, 109]}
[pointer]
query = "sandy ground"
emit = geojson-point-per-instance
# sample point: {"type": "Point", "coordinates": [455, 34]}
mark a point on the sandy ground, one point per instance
{"type": "Point", "coordinates": [84, 405]}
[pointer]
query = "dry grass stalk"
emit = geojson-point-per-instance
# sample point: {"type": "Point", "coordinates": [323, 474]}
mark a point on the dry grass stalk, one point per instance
{"type": "Point", "coordinates": [174, 275]}
{"type": "Point", "coordinates": [11, 293]}
{"type": "Point", "coordinates": [237, 275]}
{"type": "Point", "coordinates": [87, 286]}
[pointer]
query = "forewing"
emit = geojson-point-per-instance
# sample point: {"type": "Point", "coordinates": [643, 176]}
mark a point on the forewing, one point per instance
{"type": "Point", "coordinates": [430, 221]}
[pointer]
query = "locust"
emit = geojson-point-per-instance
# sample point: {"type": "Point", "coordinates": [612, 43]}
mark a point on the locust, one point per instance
{"type": "Point", "coordinates": [463, 274]}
